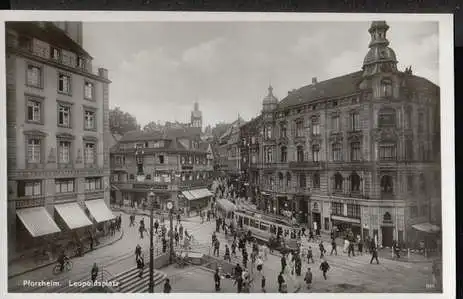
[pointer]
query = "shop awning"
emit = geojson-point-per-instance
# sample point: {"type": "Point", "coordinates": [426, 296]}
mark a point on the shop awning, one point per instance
{"type": "Point", "coordinates": [99, 210]}
{"type": "Point", "coordinates": [201, 193]}
{"type": "Point", "coordinates": [73, 215]}
{"type": "Point", "coordinates": [226, 205]}
{"type": "Point", "coordinates": [345, 219]}
{"type": "Point", "coordinates": [37, 221]}
{"type": "Point", "coordinates": [426, 227]}
{"type": "Point", "coordinates": [188, 195]}
{"type": "Point", "coordinates": [196, 194]}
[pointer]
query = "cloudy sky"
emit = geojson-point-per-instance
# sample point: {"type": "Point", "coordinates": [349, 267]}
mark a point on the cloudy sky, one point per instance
{"type": "Point", "coordinates": [159, 69]}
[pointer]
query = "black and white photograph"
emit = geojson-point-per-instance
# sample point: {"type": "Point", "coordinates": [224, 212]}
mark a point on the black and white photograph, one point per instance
{"type": "Point", "coordinates": [227, 153]}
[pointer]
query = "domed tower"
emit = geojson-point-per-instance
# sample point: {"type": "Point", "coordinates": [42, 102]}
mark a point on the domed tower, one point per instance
{"type": "Point", "coordinates": [380, 58]}
{"type": "Point", "coordinates": [270, 102]}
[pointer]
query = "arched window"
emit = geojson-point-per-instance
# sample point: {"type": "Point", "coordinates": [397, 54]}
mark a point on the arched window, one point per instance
{"type": "Point", "coordinates": [387, 186]}
{"type": "Point", "coordinates": [354, 182]}
{"type": "Point", "coordinates": [338, 180]}
{"type": "Point", "coordinates": [283, 130]}
{"type": "Point", "coordinates": [302, 180]}
{"type": "Point", "coordinates": [280, 179]}
{"type": "Point", "coordinates": [284, 154]}
{"type": "Point", "coordinates": [316, 180]}
{"type": "Point", "coordinates": [386, 88]}
{"type": "Point", "coordinates": [300, 153]}
{"type": "Point", "coordinates": [386, 117]}
{"type": "Point", "coordinates": [316, 152]}
{"type": "Point", "coordinates": [337, 151]}
{"type": "Point", "coordinates": [288, 179]}
{"type": "Point", "coordinates": [387, 217]}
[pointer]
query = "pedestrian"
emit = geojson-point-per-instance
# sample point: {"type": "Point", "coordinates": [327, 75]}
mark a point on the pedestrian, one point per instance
{"type": "Point", "coordinates": [311, 236]}
{"type": "Point", "coordinates": [308, 278]}
{"type": "Point", "coordinates": [374, 255]}
{"type": "Point", "coordinates": [176, 238]}
{"type": "Point", "coordinates": [164, 245]}
{"type": "Point", "coordinates": [140, 265]}
{"type": "Point", "coordinates": [298, 265]}
{"type": "Point", "coordinates": [208, 216]}
{"type": "Point", "coordinates": [233, 247]}
{"type": "Point", "coordinates": [137, 251]}
{"type": "Point", "coordinates": [322, 249]}
{"type": "Point", "coordinates": [360, 247]}
{"type": "Point", "coordinates": [91, 243]}
{"type": "Point", "coordinates": [227, 256]}
{"type": "Point", "coordinates": [213, 238]}
{"type": "Point", "coordinates": [217, 280]}
{"type": "Point", "coordinates": [262, 284]}
{"type": "Point", "coordinates": [333, 247]}
{"type": "Point", "coordinates": [156, 226]}
{"type": "Point", "coordinates": [435, 274]}
{"type": "Point", "coordinates": [239, 283]}
{"type": "Point", "coordinates": [351, 249]}
{"type": "Point", "coordinates": [178, 218]}
{"type": "Point", "coordinates": [324, 267]}
{"type": "Point", "coordinates": [94, 272]}
{"type": "Point", "coordinates": [245, 258]}
{"type": "Point", "coordinates": [167, 287]}
{"type": "Point", "coordinates": [141, 230]}
{"type": "Point", "coordinates": [216, 247]}
{"type": "Point", "coordinates": [303, 232]}
{"type": "Point", "coordinates": [310, 255]}
{"type": "Point", "coordinates": [396, 248]}
{"type": "Point", "coordinates": [259, 263]}
{"type": "Point", "coordinates": [281, 281]}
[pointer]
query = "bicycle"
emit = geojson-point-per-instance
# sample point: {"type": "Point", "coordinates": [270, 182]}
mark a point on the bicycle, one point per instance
{"type": "Point", "coordinates": [66, 267]}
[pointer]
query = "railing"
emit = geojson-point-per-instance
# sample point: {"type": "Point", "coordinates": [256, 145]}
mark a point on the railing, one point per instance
{"type": "Point", "coordinates": [98, 194]}
{"type": "Point", "coordinates": [30, 201]}
{"type": "Point", "coordinates": [65, 196]}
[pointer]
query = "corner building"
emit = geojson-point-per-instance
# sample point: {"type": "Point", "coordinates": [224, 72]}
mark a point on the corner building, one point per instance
{"type": "Point", "coordinates": [359, 151]}
{"type": "Point", "coordinates": [57, 136]}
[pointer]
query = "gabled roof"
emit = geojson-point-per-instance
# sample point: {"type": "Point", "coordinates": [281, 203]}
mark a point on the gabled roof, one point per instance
{"type": "Point", "coordinates": [48, 33]}
{"type": "Point", "coordinates": [339, 86]}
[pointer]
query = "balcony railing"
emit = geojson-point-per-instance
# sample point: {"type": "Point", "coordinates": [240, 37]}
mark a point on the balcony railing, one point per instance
{"type": "Point", "coordinates": [94, 194]}
{"type": "Point", "coordinates": [30, 201]}
{"type": "Point", "coordinates": [65, 196]}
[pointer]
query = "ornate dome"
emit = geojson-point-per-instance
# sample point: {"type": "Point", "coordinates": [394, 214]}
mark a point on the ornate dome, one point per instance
{"type": "Point", "coordinates": [377, 54]}
{"type": "Point", "coordinates": [270, 98]}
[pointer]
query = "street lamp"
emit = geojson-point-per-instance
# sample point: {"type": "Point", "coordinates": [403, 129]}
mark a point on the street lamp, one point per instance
{"type": "Point", "coordinates": [170, 206]}
{"type": "Point", "coordinates": [151, 283]}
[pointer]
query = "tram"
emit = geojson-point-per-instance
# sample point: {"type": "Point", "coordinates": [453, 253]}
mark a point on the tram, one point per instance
{"type": "Point", "coordinates": [277, 233]}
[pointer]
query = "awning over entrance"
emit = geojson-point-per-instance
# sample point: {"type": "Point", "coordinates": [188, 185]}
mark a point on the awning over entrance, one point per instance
{"type": "Point", "coordinates": [37, 221]}
{"type": "Point", "coordinates": [226, 205]}
{"type": "Point", "coordinates": [345, 219]}
{"type": "Point", "coordinates": [99, 210]}
{"type": "Point", "coordinates": [426, 227]}
{"type": "Point", "coordinates": [188, 195]}
{"type": "Point", "coordinates": [73, 215]}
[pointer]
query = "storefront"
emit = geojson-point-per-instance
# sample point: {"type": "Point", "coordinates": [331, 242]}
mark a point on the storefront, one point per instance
{"type": "Point", "coordinates": [195, 201]}
{"type": "Point", "coordinates": [345, 225]}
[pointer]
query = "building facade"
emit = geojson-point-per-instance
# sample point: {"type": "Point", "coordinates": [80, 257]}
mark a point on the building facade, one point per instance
{"type": "Point", "coordinates": [360, 151]}
{"type": "Point", "coordinates": [228, 150]}
{"type": "Point", "coordinates": [177, 167]}
{"type": "Point", "coordinates": [57, 130]}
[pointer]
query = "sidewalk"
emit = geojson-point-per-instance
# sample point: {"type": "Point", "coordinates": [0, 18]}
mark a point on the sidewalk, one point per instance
{"type": "Point", "coordinates": [141, 212]}
{"type": "Point", "coordinates": [29, 264]}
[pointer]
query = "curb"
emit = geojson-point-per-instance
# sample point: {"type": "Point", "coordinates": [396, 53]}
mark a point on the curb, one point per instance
{"type": "Point", "coordinates": [52, 263]}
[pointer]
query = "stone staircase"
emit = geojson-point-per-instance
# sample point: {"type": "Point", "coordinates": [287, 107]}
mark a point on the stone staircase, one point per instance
{"type": "Point", "coordinates": [130, 282]}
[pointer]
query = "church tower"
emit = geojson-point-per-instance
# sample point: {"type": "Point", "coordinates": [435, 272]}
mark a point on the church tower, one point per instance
{"type": "Point", "coordinates": [196, 117]}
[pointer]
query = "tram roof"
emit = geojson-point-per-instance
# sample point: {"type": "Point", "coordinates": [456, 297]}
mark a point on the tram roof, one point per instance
{"type": "Point", "coordinates": [267, 217]}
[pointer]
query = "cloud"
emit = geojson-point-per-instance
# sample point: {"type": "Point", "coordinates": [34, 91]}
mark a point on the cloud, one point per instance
{"type": "Point", "coordinates": [203, 56]}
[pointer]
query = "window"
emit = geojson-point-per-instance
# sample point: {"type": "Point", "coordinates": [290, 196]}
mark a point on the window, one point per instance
{"type": "Point", "coordinates": [55, 54]}
{"type": "Point", "coordinates": [33, 150]}
{"type": "Point", "coordinates": [355, 121]}
{"type": "Point", "coordinates": [338, 180]}
{"type": "Point", "coordinates": [92, 184]}
{"type": "Point", "coordinates": [337, 208]}
{"type": "Point", "coordinates": [335, 123]}
{"type": "Point", "coordinates": [64, 116]}
{"type": "Point", "coordinates": [353, 211]}
{"type": "Point", "coordinates": [269, 132]}
{"type": "Point", "coordinates": [413, 211]}
{"type": "Point", "coordinates": [29, 188]}
{"type": "Point", "coordinates": [408, 119]}
{"type": "Point", "coordinates": [386, 88]}
{"type": "Point", "coordinates": [316, 180]}
{"type": "Point", "coordinates": [148, 177]}
{"type": "Point", "coordinates": [161, 159]}
{"type": "Point", "coordinates": [88, 90]}
{"type": "Point", "coordinates": [80, 62]}
{"type": "Point", "coordinates": [337, 152]}
{"type": "Point", "coordinates": [288, 180]}
{"type": "Point", "coordinates": [354, 182]}
{"type": "Point", "coordinates": [410, 183]}
{"type": "Point", "coordinates": [315, 153]}
{"type": "Point", "coordinates": [253, 159]}
{"type": "Point", "coordinates": [409, 149]}
{"type": "Point", "coordinates": [420, 122]}
{"type": "Point", "coordinates": [299, 128]}
{"type": "Point", "coordinates": [284, 154]}
{"type": "Point", "coordinates": [280, 179]}
{"type": "Point", "coordinates": [64, 152]}
{"type": "Point", "coordinates": [315, 127]}
{"type": "Point", "coordinates": [34, 109]}
{"type": "Point", "coordinates": [64, 185]}
{"type": "Point", "coordinates": [90, 123]}
{"type": "Point", "coordinates": [300, 153]}
{"type": "Point", "coordinates": [283, 132]}
{"type": "Point", "coordinates": [302, 180]}
{"type": "Point", "coordinates": [34, 76]}
{"type": "Point", "coordinates": [386, 118]}
{"type": "Point", "coordinates": [387, 184]}
{"type": "Point", "coordinates": [89, 153]}
{"type": "Point", "coordinates": [269, 155]}
{"type": "Point", "coordinates": [355, 151]}
{"type": "Point", "coordinates": [387, 152]}
{"type": "Point", "coordinates": [64, 84]}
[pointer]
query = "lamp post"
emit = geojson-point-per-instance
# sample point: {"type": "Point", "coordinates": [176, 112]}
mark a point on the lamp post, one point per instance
{"type": "Point", "coordinates": [151, 283]}
{"type": "Point", "coordinates": [170, 207]}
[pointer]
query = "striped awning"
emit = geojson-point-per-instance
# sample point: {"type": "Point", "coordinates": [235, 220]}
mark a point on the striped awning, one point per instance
{"type": "Point", "coordinates": [37, 221]}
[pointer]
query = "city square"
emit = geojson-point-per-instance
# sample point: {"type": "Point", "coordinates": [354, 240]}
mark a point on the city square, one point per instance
{"type": "Point", "coordinates": [147, 181]}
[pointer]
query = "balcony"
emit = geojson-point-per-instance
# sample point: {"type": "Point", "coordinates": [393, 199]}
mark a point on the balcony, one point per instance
{"type": "Point", "coordinates": [30, 201]}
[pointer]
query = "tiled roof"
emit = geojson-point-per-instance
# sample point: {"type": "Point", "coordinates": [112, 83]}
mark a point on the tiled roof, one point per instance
{"type": "Point", "coordinates": [339, 86]}
{"type": "Point", "coordinates": [48, 33]}
{"type": "Point", "coordinates": [420, 84]}
{"type": "Point", "coordinates": [141, 136]}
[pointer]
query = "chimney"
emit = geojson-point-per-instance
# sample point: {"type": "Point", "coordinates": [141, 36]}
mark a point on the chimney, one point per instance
{"type": "Point", "coordinates": [314, 80]}
{"type": "Point", "coordinates": [102, 72]}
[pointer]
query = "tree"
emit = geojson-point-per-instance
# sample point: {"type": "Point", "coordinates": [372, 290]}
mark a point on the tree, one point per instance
{"type": "Point", "coordinates": [152, 126]}
{"type": "Point", "coordinates": [121, 122]}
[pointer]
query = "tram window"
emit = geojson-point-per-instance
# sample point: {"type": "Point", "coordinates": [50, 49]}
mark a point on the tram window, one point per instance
{"type": "Point", "coordinates": [255, 224]}
{"type": "Point", "coordinates": [252, 222]}
{"type": "Point", "coordinates": [263, 227]}
{"type": "Point", "coordinates": [246, 221]}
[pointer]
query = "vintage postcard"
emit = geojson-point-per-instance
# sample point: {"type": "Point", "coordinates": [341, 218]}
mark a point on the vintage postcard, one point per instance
{"type": "Point", "coordinates": [228, 153]}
